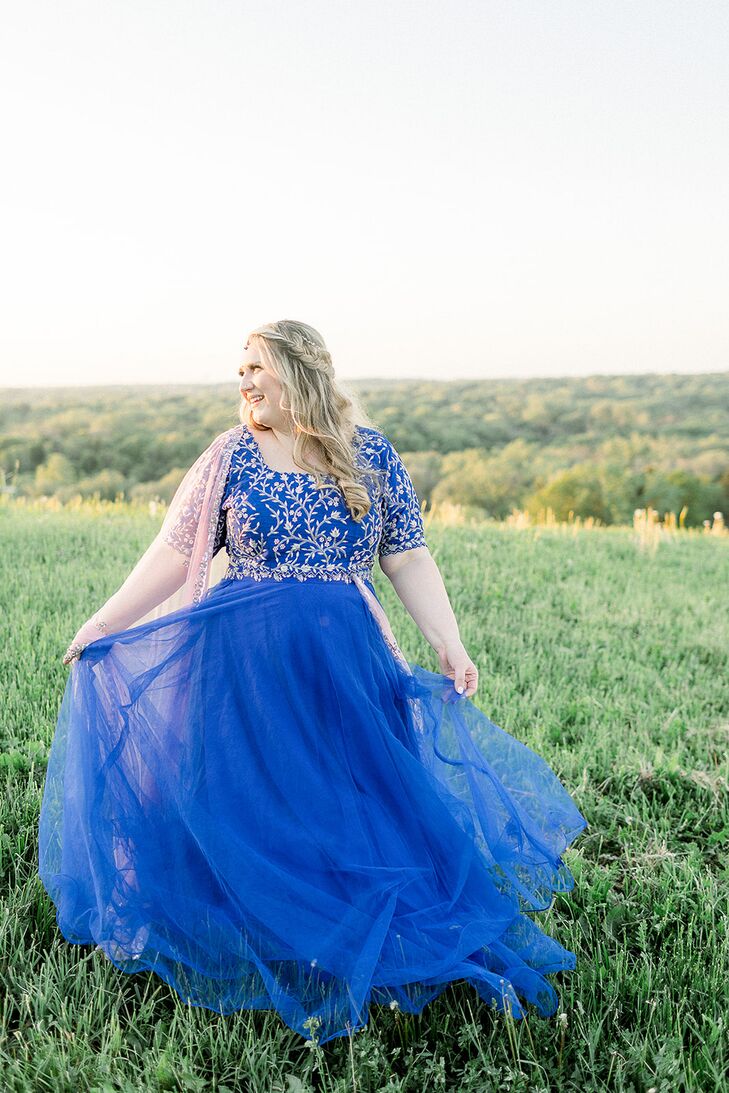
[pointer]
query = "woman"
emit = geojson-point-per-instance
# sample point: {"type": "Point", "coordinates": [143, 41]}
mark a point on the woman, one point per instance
{"type": "Point", "coordinates": [251, 791]}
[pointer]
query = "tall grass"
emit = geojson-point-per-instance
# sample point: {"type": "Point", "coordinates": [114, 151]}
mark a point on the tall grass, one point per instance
{"type": "Point", "coordinates": [608, 659]}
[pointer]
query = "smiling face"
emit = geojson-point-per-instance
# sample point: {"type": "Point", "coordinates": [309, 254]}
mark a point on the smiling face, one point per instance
{"type": "Point", "coordinates": [262, 391]}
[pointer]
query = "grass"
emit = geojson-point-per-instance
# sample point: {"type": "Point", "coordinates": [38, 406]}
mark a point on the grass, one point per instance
{"type": "Point", "coordinates": [609, 660]}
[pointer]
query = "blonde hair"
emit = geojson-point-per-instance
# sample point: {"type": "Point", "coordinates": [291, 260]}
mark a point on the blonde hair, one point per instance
{"type": "Point", "coordinates": [324, 413]}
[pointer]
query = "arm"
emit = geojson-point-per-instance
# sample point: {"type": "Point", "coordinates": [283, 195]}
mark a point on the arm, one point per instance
{"type": "Point", "coordinates": [178, 555]}
{"type": "Point", "coordinates": [158, 574]}
{"type": "Point", "coordinates": [418, 583]}
{"type": "Point", "coordinates": [408, 564]}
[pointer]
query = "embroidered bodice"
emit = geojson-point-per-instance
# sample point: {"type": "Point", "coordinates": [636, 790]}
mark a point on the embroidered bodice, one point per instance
{"type": "Point", "coordinates": [282, 524]}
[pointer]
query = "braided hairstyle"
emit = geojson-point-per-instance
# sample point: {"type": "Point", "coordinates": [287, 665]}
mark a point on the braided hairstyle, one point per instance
{"type": "Point", "coordinates": [324, 414]}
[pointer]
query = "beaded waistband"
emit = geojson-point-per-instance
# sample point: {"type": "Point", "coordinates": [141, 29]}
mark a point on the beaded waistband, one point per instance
{"type": "Point", "coordinates": [287, 570]}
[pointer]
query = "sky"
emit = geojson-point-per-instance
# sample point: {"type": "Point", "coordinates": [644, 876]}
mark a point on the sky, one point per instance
{"type": "Point", "coordinates": [445, 189]}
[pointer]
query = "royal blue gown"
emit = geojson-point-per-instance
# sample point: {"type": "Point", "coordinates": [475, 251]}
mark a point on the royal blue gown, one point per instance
{"type": "Point", "coordinates": [252, 796]}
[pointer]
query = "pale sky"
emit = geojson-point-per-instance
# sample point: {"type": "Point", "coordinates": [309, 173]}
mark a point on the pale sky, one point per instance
{"type": "Point", "coordinates": [445, 189]}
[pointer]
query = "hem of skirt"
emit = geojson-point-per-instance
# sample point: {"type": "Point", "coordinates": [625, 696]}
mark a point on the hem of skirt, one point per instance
{"type": "Point", "coordinates": [507, 1005]}
{"type": "Point", "coordinates": [465, 970]}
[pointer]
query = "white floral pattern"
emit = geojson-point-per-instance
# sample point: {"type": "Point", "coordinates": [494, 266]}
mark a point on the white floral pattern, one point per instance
{"type": "Point", "coordinates": [281, 524]}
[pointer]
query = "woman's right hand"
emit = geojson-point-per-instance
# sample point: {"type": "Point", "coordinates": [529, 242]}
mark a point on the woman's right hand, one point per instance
{"type": "Point", "coordinates": [90, 631]}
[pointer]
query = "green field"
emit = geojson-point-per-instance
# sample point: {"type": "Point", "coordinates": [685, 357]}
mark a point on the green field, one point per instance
{"type": "Point", "coordinates": [609, 661]}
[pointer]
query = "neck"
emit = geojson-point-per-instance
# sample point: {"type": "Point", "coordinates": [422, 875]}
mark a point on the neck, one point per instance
{"type": "Point", "coordinates": [283, 433]}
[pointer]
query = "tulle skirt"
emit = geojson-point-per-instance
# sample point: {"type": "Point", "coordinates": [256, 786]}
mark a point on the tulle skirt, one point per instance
{"type": "Point", "coordinates": [256, 800]}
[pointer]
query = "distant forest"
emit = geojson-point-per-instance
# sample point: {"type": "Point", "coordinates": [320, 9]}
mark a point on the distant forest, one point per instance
{"type": "Point", "coordinates": [597, 446]}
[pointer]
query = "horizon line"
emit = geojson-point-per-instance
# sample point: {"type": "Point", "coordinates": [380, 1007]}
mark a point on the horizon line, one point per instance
{"type": "Point", "coordinates": [151, 384]}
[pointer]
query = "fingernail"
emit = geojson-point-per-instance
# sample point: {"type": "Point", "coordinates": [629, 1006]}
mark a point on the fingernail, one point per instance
{"type": "Point", "coordinates": [460, 690]}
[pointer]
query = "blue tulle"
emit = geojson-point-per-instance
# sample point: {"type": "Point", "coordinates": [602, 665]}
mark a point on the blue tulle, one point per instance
{"type": "Point", "coordinates": [254, 799]}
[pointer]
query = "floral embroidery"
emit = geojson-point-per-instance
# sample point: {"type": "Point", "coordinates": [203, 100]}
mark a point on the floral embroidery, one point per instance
{"type": "Point", "coordinates": [281, 524]}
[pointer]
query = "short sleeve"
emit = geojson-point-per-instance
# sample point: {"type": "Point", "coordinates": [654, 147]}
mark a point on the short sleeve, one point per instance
{"type": "Point", "coordinates": [402, 518]}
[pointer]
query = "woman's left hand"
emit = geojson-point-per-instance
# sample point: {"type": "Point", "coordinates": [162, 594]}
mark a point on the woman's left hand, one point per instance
{"type": "Point", "coordinates": [458, 666]}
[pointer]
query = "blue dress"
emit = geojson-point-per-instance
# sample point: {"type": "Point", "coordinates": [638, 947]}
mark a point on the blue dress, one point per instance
{"type": "Point", "coordinates": [252, 797]}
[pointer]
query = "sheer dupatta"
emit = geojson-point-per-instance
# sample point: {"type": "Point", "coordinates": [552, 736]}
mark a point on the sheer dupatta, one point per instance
{"type": "Point", "coordinates": [191, 521]}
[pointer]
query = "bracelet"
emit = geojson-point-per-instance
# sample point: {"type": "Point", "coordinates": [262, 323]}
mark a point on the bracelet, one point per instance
{"type": "Point", "coordinates": [74, 650]}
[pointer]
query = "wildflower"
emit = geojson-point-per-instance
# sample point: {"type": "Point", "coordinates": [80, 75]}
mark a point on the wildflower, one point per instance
{"type": "Point", "coordinates": [394, 1005]}
{"type": "Point", "coordinates": [562, 1018]}
{"type": "Point", "coordinates": [313, 1024]}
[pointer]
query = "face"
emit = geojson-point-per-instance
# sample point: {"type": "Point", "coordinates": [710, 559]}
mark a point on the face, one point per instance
{"type": "Point", "coordinates": [262, 390]}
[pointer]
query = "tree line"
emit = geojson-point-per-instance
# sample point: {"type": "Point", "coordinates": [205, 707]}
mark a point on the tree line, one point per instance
{"type": "Point", "coordinates": [596, 446]}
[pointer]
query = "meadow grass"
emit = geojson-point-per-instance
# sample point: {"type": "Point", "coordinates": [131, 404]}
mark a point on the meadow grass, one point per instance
{"type": "Point", "coordinates": [608, 660]}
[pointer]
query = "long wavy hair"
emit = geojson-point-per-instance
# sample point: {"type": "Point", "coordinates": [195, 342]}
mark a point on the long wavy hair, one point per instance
{"type": "Point", "coordinates": [324, 413]}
